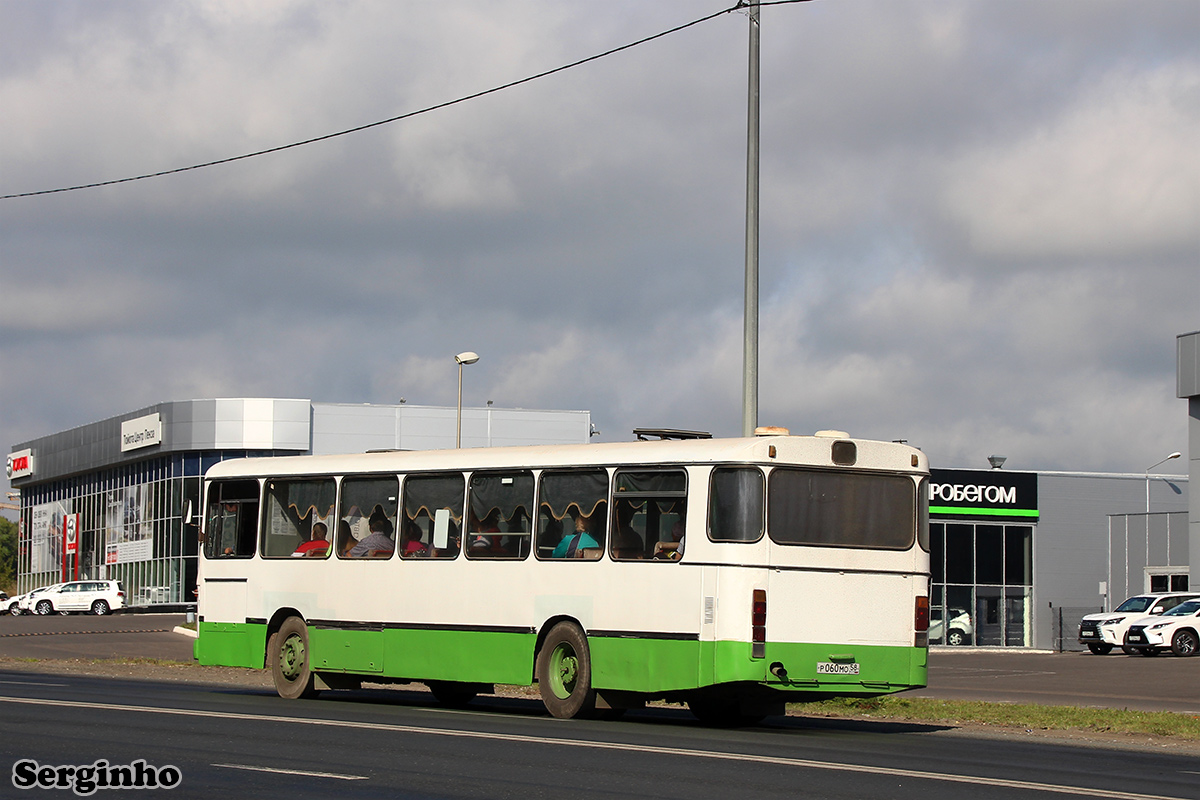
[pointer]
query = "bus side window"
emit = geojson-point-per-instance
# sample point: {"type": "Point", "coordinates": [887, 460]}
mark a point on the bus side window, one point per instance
{"type": "Point", "coordinates": [433, 508]}
{"type": "Point", "coordinates": [369, 508]}
{"type": "Point", "coordinates": [499, 515]}
{"type": "Point", "coordinates": [297, 510]}
{"type": "Point", "coordinates": [649, 523]}
{"type": "Point", "coordinates": [231, 519]}
{"type": "Point", "coordinates": [735, 504]}
{"type": "Point", "coordinates": [573, 514]}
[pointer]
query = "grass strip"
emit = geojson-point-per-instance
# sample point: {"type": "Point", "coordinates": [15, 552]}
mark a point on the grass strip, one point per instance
{"type": "Point", "coordinates": [1013, 715]}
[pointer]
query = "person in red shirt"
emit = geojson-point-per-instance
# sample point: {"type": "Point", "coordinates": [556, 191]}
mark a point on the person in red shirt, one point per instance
{"type": "Point", "coordinates": [317, 546]}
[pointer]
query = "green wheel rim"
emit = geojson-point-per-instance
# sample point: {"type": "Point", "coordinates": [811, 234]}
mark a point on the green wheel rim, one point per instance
{"type": "Point", "coordinates": [564, 669]}
{"type": "Point", "coordinates": [291, 657]}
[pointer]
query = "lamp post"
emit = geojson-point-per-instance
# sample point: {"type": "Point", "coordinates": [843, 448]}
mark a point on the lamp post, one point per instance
{"type": "Point", "coordinates": [461, 359]}
{"type": "Point", "coordinates": [1176, 454]}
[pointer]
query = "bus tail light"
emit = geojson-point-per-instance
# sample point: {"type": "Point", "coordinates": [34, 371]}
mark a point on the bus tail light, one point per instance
{"type": "Point", "coordinates": [921, 617]}
{"type": "Point", "coordinates": [758, 624]}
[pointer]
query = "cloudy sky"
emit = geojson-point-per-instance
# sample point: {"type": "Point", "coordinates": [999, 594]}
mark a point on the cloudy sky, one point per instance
{"type": "Point", "coordinates": [980, 221]}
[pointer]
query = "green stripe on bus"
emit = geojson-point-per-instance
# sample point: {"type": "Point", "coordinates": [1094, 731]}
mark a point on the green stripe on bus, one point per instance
{"type": "Point", "coordinates": [624, 663]}
{"type": "Point", "coordinates": [984, 512]}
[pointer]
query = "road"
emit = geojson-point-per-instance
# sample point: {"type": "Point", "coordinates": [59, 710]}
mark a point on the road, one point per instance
{"type": "Point", "coordinates": [386, 743]}
{"type": "Point", "coordinates": [1165, 683]}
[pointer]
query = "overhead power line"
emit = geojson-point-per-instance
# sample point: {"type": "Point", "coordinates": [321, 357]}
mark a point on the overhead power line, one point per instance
{"type": "Point", "coordinates": [740, 5]}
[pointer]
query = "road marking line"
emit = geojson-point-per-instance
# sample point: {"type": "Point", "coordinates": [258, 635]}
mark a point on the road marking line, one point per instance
{"type": "Point", "coordinates": [634, 748]}
{"type": "Point", "coordinates": [34, 683]}
{"type": "Point", "coordinates": [273, 770]}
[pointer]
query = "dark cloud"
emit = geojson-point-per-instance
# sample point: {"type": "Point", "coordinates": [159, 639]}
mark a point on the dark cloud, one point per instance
{"type": "Point", "coordinates": [977, 223]}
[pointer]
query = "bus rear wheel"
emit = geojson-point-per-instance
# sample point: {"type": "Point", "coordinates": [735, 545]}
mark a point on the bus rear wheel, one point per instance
{"type": "Point", "coordinates": [287, 651]}
{"type": "Point", "coordinates": [564, 673]}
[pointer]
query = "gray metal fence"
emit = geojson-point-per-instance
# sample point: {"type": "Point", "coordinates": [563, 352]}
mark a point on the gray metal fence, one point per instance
{"type": "Point", "coordinates": [1066, 626]}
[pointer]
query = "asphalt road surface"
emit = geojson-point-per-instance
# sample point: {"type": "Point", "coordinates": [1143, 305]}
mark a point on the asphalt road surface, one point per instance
{"type": "Point", "coordinates": [1164, 683]}
{"type": "Point", "coordinates": [374, 744]}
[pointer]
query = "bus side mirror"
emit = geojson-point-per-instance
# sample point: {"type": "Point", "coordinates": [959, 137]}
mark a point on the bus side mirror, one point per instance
{"type": "Point", "coordinates": [188, 516]}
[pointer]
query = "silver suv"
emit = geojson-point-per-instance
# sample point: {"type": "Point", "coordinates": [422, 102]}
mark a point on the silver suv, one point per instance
{"type": "Point", "coordinates": [1102, 632]}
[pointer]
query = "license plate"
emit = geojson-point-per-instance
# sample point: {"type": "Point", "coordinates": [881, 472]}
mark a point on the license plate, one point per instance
{"type": "Point", "coordinates": [826, 668]}
{"type": "Point", "coordinates": [1136, 637]}
{"type": "Point", "coordinates": [1087, 634]}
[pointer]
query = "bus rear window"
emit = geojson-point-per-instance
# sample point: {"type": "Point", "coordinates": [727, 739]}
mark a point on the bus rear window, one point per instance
{"type": "Point", "coordinates": [841, 509]}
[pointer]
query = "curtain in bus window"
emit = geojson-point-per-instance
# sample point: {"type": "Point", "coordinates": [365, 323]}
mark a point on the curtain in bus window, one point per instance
{"type": "Point", "coordinates": [841, 509]}
{"type": "Point", "coordinates": [735, 510]}
{"type": "Point", "coordinates": [652, 482]}
{"type": "Point", "coordinates": [433, 510]}
{"type": "Point", "coordinates": [649, 519]}
{"type": "Point", "coordinates": [501, 507]}
{"type": "Point", "coordinates": [572, 503]}
{"type": "Point", "coordinates": [293, 508]}
{"type": "Point", "coordinates": [369, 507]}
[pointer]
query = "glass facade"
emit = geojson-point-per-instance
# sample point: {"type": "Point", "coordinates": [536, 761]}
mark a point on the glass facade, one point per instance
{"type": "Point", "coordinates": [130, 528]}
{"type": "Point", "coordinates": [981, 584]}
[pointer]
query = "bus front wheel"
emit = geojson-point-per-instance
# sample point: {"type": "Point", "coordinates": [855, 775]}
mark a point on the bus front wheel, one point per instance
{"type": "Point", "coordinates": [288, 653]}
{"type": "Point", "coordinates": [564, 673]}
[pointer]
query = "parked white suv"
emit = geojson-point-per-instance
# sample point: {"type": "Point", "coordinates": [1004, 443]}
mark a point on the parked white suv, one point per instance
{"type": "Point", "coordinates": [1177, 629]}
{"type": "Point", "coordinates": [25, 603]}
{"type": "Point", "coordinates": [91, 597]}
{"type": "Point", "coordinates": [1102, 632]}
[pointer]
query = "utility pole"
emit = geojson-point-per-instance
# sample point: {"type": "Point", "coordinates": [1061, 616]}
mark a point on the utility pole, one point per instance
{"type": "Point", "coordinates": [750, 317]}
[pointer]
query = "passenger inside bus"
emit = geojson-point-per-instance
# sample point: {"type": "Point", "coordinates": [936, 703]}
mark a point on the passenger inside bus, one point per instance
{"type": "Point", "coordinates": [673, 549]}
{"type": "Point", "coordinates": [574, 545]}
{"type": "Point", "coordinates": [627, 543]}
{"type": "Point", "coordinates": [345, 539]}
{"type": "Point", "coordinates": [485, 539]}
{"type": "Point", "coordinates": [378, 542]}
{"type": "Point", "coordinates": [317, 546]}
{"type": "Point", "coordinates": [411, 545]}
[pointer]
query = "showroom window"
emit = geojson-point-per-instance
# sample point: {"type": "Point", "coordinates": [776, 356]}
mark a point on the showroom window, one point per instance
{"type": "Point", "coordinates": [982, 584]}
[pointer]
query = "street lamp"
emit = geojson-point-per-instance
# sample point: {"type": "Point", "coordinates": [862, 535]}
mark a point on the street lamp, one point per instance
{"type": "Point", "coordinates": [1176, 454]}
{"type": "Point", "coordinates": [461, 359]}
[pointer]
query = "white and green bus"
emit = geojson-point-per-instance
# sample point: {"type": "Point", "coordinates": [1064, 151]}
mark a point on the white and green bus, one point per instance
{"type": "Point", "coordinates": [731, 574]}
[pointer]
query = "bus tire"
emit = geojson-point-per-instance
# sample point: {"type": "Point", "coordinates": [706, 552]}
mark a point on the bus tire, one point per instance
{"type": "Point", "coordinates": [564, 673]}
{"type": "Point", "coordinates": [288, 653]}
